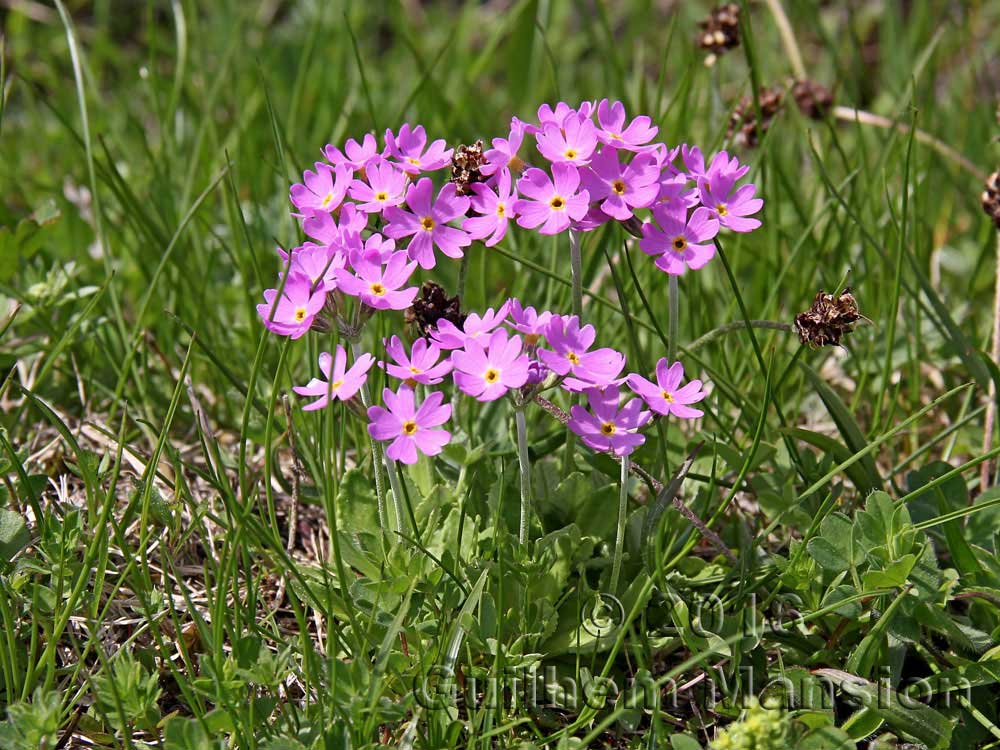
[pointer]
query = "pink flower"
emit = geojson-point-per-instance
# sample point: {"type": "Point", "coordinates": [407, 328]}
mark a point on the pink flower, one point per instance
{"type": "Point", "coordinates": [497, 209]}
{"type": "Point", "coordinates": [327, 230]}
{"type": "Point", "coordinates": [322, 190]}
{"type": "Point", "coordinates": [448, 336]}
{"type": "Point", "coordinates": [356, 156]}
{"type": "Point", "coordinates": [504, 150]}
{"type": "Point", "coordinates": [609, 428]}
{"type": "Point", "coordinates": [694, 162]}
{"type": "Point", "coordinates": [573, 143]}
{"type": "Point", "coordinates": [376, 286]}
{"type": "Point", "coordinates": [319, 263]}
{"type": "Point", "coordinates": [421, 366]}
{"type": "Point", "coordinates": [525, 320]}
{"type": "Point", "coordinates": [427, 223]}
{"type": "Point", "coordinates": [383, 186]}
{"type": "Point", "coordinates": [568, 354]}
{"type": "Point", "coordinates": [411, 429]}
{"type": "Point", "coordinates": [675, 196]}
{"type": "Point", "coordinates": [731, 209]}
{"type": "Point", "coordinates": [340, 382]}
{"type": "Point", "coordinates": [723, 166]}
{"type": "Point", "coordinates": [551, 204]}
{"type": "Point", "coordinates": [614, 132]}
{"type": "Point", "coordinates": [621, 187]}
{"type": "Point", "coordinates": [407, 148]}
{"type": "Point", "coordinates": [487, 373]}
{"type": "Point", "coordinates": [666, 396]}
{"type": "Point", "coordinates": [296, 308]}
{"type": "Point", "coordinates": [680, 243]}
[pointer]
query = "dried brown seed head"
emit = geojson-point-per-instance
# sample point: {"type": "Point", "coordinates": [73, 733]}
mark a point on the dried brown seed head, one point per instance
{"type": "Point", "coordinates": [828, 319]}
{"type": "Point", "coordinates": [431, 306]}
{"type": "Point", "coordinates": [721, 30]}
{"type": "Point", "coordinates": [743, 123]}
{"type": "Point", "coordinates": [465, 165]}
{"type": "Point", "coordinates": [991, 198]}
{"type": "Point", "coordinates": [813, 99]}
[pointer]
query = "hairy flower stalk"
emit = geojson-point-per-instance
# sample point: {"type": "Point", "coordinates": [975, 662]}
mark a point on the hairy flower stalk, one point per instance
{"type": "Point", "coordinates": [525, 470]}
{"type": "Point", "coordinates": [673, 317]}
{"type": "Point", "coordinates": [366, 400]}
{"type": "Point", "coordinates": [616, 567]}
{"type": "Point", "coordinates": [576, 267]}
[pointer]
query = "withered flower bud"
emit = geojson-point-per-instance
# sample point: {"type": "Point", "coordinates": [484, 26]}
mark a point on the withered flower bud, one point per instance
{"type": "Point", "coordinates": [814, 100]}
{"type": "Point", "coordinates": [721, 30]}
{"type": "Point", "coordinates": [433, 305]}
{"type": "Point", "coordinates": [465, 164]}
{"type": "Point", "coordinates": [991, 198]}
{"type": "Point", "coordinates": [828, 320]}
{"type": "Point", "coordinates": [743, 122]}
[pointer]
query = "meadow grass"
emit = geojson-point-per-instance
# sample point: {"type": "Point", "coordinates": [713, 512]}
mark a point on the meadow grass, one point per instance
{"type": "Point", "coordinates": [188, 560]}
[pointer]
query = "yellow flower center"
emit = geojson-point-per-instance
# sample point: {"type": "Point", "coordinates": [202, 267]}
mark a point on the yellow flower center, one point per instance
{"type": "Point", "coordinates": [530, 339]}
{"type": "Point", "coordinates": [491, 375]}
{"type": "Point", "coordinates": [721, 208]}
{"type": "Point", "coordinates": [608, 428]}
{"type": "Point", "coordinates": [328, 199]}
{"type": "Point", "coordinates": [619, 187]}
{"type": "Point", "coordinates": [615, 136]}
{"type": "Point", "coordinates": [501, 211]}
{"type": "Point", "coordinates": [336, 384]}
{"type": "Point", "coordinates": [573, 357]}
{"type": "Point", "coordinates": [415, 370]}
{"type": "Point", "coordinates": [414, 162]}
{"type": "Point", "coordinates": [558, 203]}
{"type": "Point", "coordinates": [382, 196]}
{"type": "Point", "coordinates": [300, 314]}
{"type": "Point", "coordinates": [679, 244]}
{"type": "Point", "coordinates": [667, 396]}
{"type": "Point", "coordinates": [427, 223]}
{"type": "Point", "coordinates": [377, 289]}
{"type": "Point", "coordinates": [409, 427]}
{"type": "Point", "coordinates": [570, 153]}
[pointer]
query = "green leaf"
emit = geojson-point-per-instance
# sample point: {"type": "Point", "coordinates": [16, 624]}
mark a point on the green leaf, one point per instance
{"type": "Point", "coordinates": [834, 548]}
{"type": "Point", "coordinates": [857, 472]}
{"type": "Point", "coordinates": [903, 714]}
{"type": "Point", "coordinates": [662, 502]}
{"type": "Point", "coordinates": [357, 509]}
{"type": "Point", "coordinates": [180, 733]}
{"type": "Point", "coordinates": [14, 534]}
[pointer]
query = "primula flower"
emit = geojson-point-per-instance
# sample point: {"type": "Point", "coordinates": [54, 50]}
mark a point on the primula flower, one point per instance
{"type": "Point", "coordinates": [411, 429]}
{"type": "Point", "coordinates": [487, 373]}
{"type": "Point", "coordinates": [340, 382]}
{"type": "Point", "coordinates": [408, 148]}
{"type": "Point", "coordinates": [680, 242]}
{"type": "Point", "coordinates": [427, 223]}
{"type": "Point", "coordinates": [694, 162]}
{"type": "Point", "coordinates": [376, 248]}
{"type": "Point", "coordinates": [322, 190]}
{"type": "Point", "coordinates": [558, 116]}
{"type": "Point", "coordinates": [383, 186]}
{"type": "Point", "coordinates": [614, 132]}
{"type": "Point", "coordinates": [497, 209]}
{"type": "Point", "coordinates": [621, 187]}
{"type": "Point", "coordinates": [504, 151]}
{"type": "Point", "coordinates": [296, 308]}
{"type": "Point", "coordinates": [378, 286]}
{"type": "Point", "coordinates": [723, 166]}
{"type": "Point", "coordinates": [421, 366]}
{"type": "Point", "coordinates": [319, 263]}
{"type": "Point", "coordinates": [339, 232]}
{"type": "Point", "coordinates": [572, 143]}
{"type": "Point", "coordinates": [525, 320]}
{"type": "Point", "coordinates": [449, 336]}
{"type": "Point", "coordinates": [667, 396]}
{"type": "Point", "coordinates": [606, 427]}
{"type": "Point", "coordinates": [675, 196]}
{"type": "Point", "coordinates": [568, 355]}
{"type": "Point", "coordinates": [551, 204]}
{"type": "Point", "coordinates": [730, 208]}
{"type": "Point", "coordinates": [355, 155]}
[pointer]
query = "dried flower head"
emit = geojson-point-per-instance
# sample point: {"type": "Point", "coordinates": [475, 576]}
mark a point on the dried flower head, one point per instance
{"type": "Point", "coordinates": [433, 305]}
{"type": "Point", "coordinates": [991, 198]}
{"type": "Point", "coordinates": [814, 100]}
{"type": "Point", "coordinates": [828, 319]}
{"type": "Point", "coordinates": [466, 163]}
{"type": "Point", "coordinates": [721, 30]}
{"type": "Point", "coordinates": [743, 123]}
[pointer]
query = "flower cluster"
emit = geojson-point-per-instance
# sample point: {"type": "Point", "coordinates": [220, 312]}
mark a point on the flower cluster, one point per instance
{"type": "Point", "coordinates": [517, 351]}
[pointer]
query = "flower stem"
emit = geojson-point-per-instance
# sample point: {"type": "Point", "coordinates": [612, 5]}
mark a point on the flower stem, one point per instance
{"type": "Point", "coordinates": [525, 466]}
{"type": "Point", "coordinates": [397, 495]}
{"type": "Point", "coordinates": [616, 567]}
{"type": "Point", "coordinates": [787, 38]}
{"type": "Point", "coordinates": [366, 399]}
{"type": "Point", "coordinates": [576, 267]}
{"type": "Point", "coordinates": [463, 272]}
{"type": "Point", "coordinates": [673, 313]}
{"type": "Point", "coordinates": [991, 405]}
